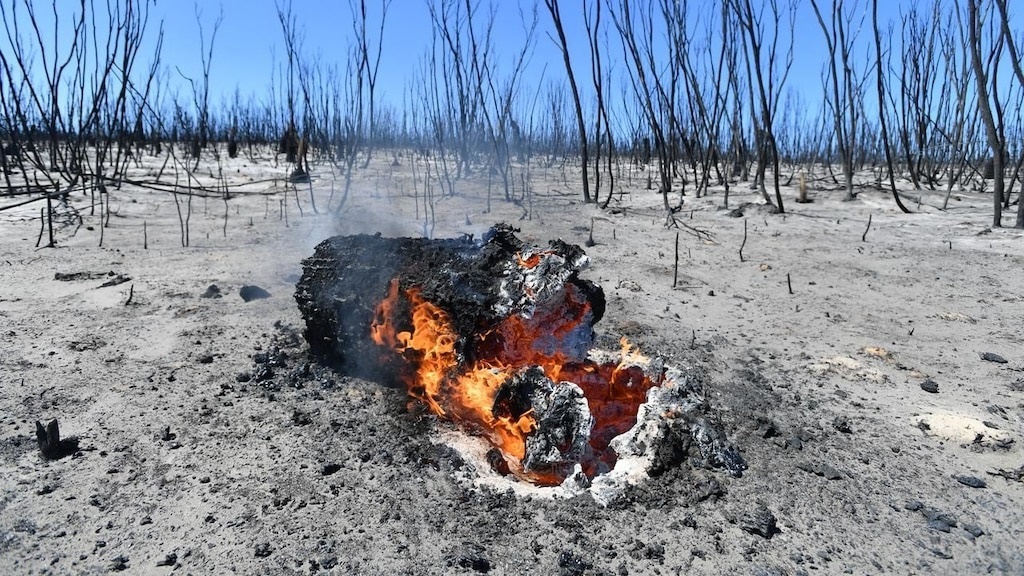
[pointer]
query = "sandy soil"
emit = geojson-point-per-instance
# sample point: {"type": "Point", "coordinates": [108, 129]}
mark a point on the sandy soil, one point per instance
{"type": "Point", "coordinates": [817, 348]}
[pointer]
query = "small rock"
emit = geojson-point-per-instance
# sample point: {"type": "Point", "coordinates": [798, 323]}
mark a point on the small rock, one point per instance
{"type": "Point", "coordinates": [974, 530]}
{"type": "Point", "coordinates": [993, 357]}
{"type": "Point", "coordinates": [655, 551]}
{"type": "Point", "coordinates": [329, 468]}
{"type": "Point", "coordinates": [263, 550]}
{"type": "Point", "coordinates": [930, 386]}
{"type": "Point", "coordinates": [212, 291]}
{"type": "Point", "coordinates": [914, 505]}
{"type": "Point", "coordinates": [300, 418]}
{"type": "Point", "coordinates": [469, 556]}
{"type": "Point", "coordinates": [820, 469]}
{"type": "Point", "coordinates": [759, 521]}
{"type": "Point", "coordinates": [119, 564]}
{"type": "Point", "coordinates": [263, 372]}
{"type": "Point", "coordinates": [842, 424]}
{"type": "Point", "coordinates": [571, 565]}
{"type": "Point", "coordinates": [249, 293]}
{"type": "Point", "coordinates": [766, 428]}
{"type": "Point", "coordinates": [206, 359]}
{"type": "Point", "coordinates": [243, 377]}
{"type": "Point", "coordinates": [943, 553]}
{"type": "Point", "coordinates": [169, 560]}
{"type": "Point", "coordinates": [971, 481]}
{"type": "Point", "coordinates": [939, 520]}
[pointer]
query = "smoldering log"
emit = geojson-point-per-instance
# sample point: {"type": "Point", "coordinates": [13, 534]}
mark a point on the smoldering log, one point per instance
{"type": "Point", "coordinates": [478, 283]}
{"type": "Point", "coordinates": [496, 335]}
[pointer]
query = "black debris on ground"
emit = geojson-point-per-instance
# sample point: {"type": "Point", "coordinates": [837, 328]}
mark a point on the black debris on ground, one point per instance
{"type": "Point", "coordinates": [1014, 474]}
{"type": "Point", "coordinates": [820, 469]}
{"type": "Point", "coordinates": [52, 446]}
{"type": "Point", "coordinates": [759, 521]}
{"type": "Point", "coordinates": [993, 357]}
{"type": "Point", "coordinates": [263, 550]}
{"type": "Point", "coordinates": [842, 424]}
{"type": "Point", "coordinates": [571, 564]}
{"type": "Point", "coordinates": [250, 293]}
{"type": "Point", "coordinates": [471, 556]}
{"type": "Point", "coordinates": [119, 564]}
{"type": "Point", "coordinates": [118, 279]}
{"type": "Point", "coordinates": [970, 481]}
{"type": "Point", "coordinates": [77, 276]}
{"type": "Point", "coordinates": [212, 291]}
{"type": "Point", "coordinates": [939, 520]}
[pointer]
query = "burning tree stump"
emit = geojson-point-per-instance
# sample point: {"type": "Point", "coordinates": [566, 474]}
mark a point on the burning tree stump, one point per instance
{"type": "Point", "coordinates": [494, 335]}
{"type": "Point", "coordinates": [476, 284]}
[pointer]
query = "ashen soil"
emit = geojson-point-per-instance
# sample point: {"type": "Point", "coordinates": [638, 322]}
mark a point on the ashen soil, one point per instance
{"type": "Point", "coordinates": [875, 388]}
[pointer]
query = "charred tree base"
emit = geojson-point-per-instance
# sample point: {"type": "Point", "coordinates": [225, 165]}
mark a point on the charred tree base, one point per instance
{"type": "Point", "coordinates": [496, 336]}
{"type": "Point", "coordinates": [477, 283]}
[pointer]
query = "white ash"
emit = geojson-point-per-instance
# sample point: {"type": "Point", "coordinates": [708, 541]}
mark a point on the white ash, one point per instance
{"type": "Point", "coordinates": [524, 289]}
{"type": "Point", "coordinates": [674, 409]}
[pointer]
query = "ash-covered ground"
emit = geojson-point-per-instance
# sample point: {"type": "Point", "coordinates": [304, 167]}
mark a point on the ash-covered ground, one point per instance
{"type": "Point", "coordinates": [879, 406]}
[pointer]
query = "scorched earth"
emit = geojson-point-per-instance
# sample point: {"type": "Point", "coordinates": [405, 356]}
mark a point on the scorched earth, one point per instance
{"type": "Point", "coordinates": [873, 386]}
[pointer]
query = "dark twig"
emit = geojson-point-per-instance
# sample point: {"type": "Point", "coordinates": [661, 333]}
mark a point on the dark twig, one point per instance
{"type": "Point", "coordinates": [744, 239]}
{"type": "Point", "coordinates": [864, 236]}
{"type": "Point", "coordinates": [42, 226]}
{"type": "Point", "coordinates": [789, 283]}
{"type": "Point", "coordinates": [675, 272]}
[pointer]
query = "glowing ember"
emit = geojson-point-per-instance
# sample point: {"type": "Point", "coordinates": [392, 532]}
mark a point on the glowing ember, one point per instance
{"type": "Point", "coordinates": [501, 381]}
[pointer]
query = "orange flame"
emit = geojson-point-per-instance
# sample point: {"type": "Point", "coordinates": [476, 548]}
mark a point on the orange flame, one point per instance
{"type": "Point", "coordinates": [426, 339]}
{"type": "Point", "coordinates": [467, 396]}
{"type": "Point", "coordinates": [530, 261]}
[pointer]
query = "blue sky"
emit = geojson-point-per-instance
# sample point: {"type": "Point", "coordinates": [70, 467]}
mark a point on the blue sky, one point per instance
{"type": "Point", "coordinates": [249, 45]}
{"type": "Point", "coordinates": [250, 40]}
